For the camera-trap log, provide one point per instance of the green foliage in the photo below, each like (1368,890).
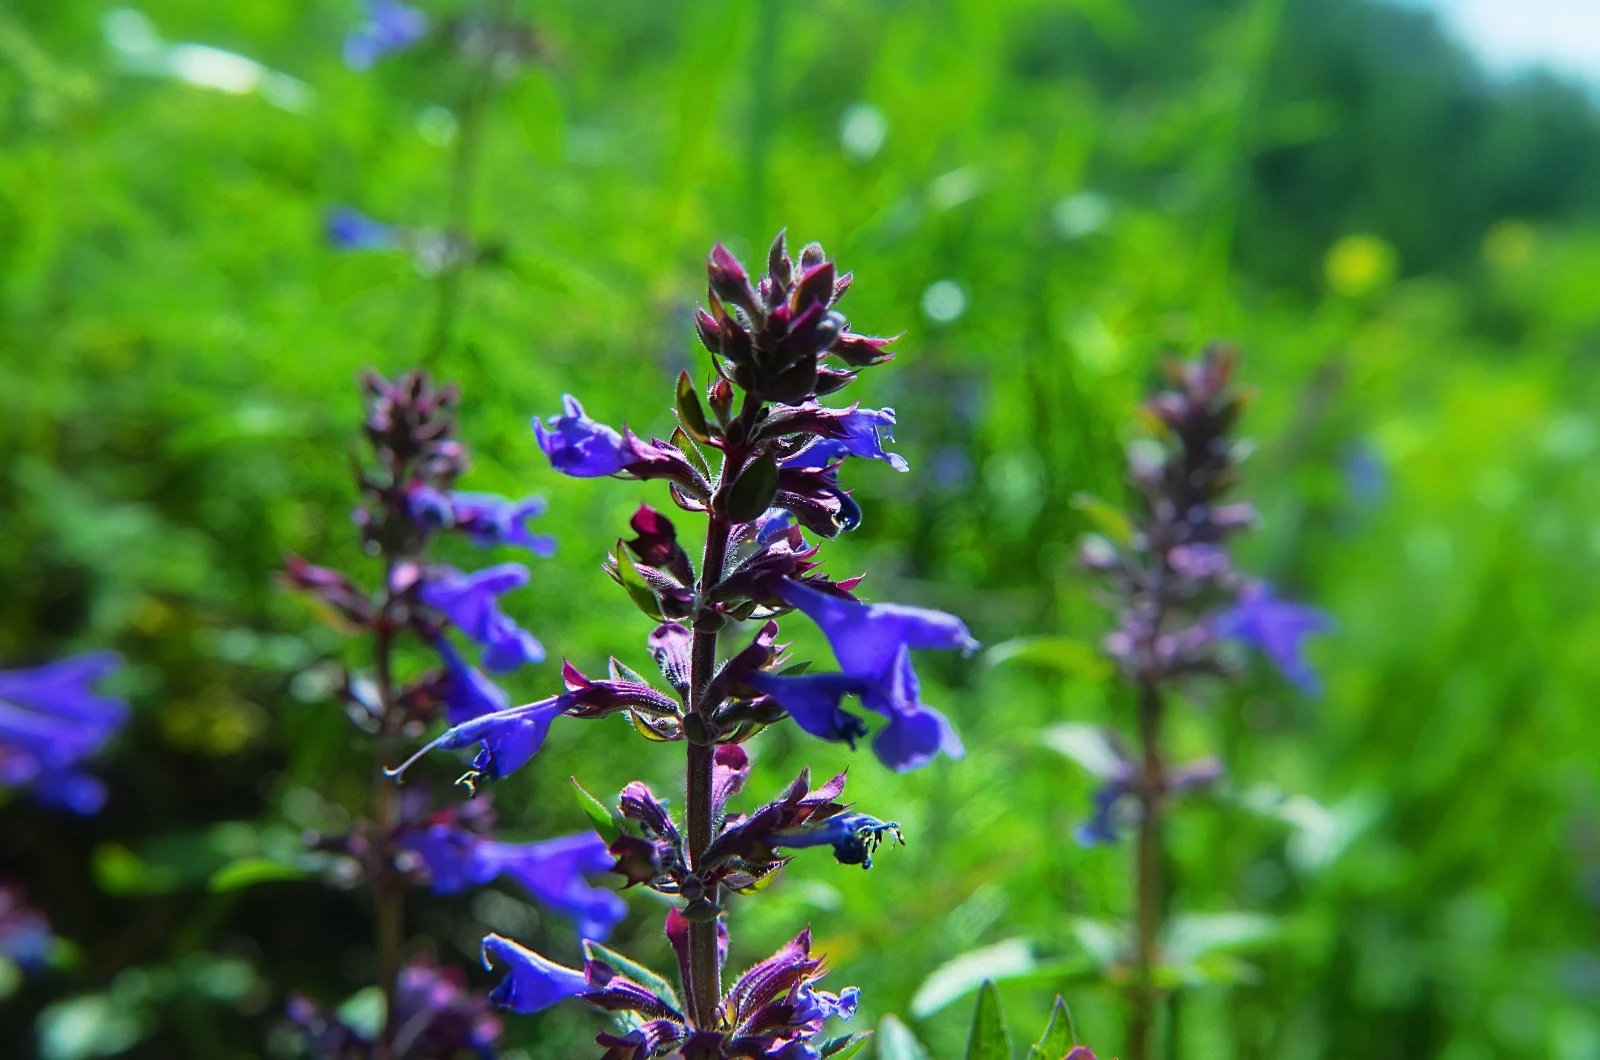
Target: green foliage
(1045,199)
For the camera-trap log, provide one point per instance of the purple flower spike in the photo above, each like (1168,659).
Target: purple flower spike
(866,637)
(50,720)
(350,229)
(390,26)
(580,447)
(532,983)
(1277,629)
(468,693)
(470,602)
(509,738)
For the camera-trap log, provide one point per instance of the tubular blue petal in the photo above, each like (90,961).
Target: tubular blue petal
(1277,629)
(813,700)
(580,447)
(532,983)
(553,872)
(866,637)
(471,602)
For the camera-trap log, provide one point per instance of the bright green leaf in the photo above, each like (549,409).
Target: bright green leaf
(989,1040)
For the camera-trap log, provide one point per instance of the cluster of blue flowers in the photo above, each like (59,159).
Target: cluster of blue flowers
(51,720)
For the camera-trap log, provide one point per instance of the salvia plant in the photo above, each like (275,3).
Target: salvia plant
(409,500)
(757,460)
(1177,598)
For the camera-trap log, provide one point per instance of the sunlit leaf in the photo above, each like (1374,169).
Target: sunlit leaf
(964,974)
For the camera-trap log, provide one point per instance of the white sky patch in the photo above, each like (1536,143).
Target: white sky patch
(1509,35)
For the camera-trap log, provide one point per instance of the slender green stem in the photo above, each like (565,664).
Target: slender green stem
(1147,869)
(388,888)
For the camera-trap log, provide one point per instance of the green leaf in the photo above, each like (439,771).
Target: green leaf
(536,105)
(687,447)
(1059,1034)
(1072,657)
(752,493)
(847,1046)
(1087,745)
(990,1040)
(964,974)
(606,821)
(1192,936)
(690,414)
(633,970)
(639,591)
(896,1042)
(249,872)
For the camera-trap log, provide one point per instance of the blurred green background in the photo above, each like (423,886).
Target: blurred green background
(1045,196)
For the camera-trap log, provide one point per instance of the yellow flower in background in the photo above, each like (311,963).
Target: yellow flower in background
(1509,244)
(1360,264)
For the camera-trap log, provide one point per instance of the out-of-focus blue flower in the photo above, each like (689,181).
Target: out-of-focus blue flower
(551,871)
(490,519)
(349,229)
(1276,628)
(25,937)
(509,738)
(390,26)
(1366,476)
(1101,827)
(471,602)
(50,720)
(468,693)
(873,644)
(579,446)
(533,983)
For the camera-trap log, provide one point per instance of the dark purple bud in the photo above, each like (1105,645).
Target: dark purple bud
(330,587)
(657,544)
(596,699)
(705,325)
(861,351)
(816,285)
(729,281)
